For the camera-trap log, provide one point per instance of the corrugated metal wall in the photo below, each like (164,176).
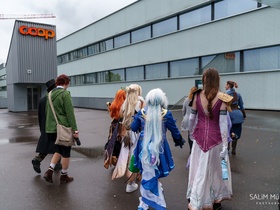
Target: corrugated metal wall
(33,53)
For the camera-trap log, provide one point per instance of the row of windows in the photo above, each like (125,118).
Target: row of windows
(242,61)
(213,11)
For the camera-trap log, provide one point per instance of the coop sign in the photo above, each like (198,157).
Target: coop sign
(32,31)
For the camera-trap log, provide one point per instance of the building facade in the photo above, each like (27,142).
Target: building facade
(168,43)
(31,62)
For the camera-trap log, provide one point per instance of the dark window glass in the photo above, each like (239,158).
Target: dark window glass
(106,45)
(141,34)
(122,40)
(135,73)
(262,59)
(157,71)
(229,7)
(73,80)
(165,27)
(73,55)
(93,49)
(181,68)
(117,75)
(195,17)
(64,58)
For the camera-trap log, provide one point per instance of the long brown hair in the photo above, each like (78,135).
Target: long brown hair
(211,85)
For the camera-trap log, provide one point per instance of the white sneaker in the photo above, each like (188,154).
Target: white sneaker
(131,187)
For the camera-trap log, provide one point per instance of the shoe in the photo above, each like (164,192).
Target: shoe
(64,178)
(57,167)
(131,187)
(217,206)
(142,205)
(48,175)
(36,165)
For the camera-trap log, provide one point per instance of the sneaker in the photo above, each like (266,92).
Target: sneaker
(36,165)
(142,205)
(131,187)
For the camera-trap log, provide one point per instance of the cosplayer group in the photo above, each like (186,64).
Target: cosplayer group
(138,149)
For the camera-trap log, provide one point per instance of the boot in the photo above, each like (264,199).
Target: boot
(234,143)
(64,178)
(48,175)
(36,165)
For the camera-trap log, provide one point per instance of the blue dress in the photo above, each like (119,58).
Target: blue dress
(151,189)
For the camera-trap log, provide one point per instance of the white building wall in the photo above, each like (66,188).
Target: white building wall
(245,31)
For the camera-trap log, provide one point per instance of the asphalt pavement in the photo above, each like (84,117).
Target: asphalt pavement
(255,168)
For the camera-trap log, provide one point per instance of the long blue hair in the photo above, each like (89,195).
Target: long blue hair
(155,101)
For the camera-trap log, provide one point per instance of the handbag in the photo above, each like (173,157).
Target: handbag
(64,134)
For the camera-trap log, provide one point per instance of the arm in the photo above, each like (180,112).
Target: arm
(136,123)
(172,127)
(223,122)
(241,105)
(69,110)
(192,119)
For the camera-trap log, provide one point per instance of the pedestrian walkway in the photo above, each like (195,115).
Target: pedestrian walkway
(255,168)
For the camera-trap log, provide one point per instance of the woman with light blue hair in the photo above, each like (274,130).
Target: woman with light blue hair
(152,154)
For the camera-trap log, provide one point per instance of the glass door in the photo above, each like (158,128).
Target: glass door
(33,96)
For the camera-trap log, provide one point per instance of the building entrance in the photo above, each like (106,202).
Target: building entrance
(33,96)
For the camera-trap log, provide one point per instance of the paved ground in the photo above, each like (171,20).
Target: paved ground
(255,168)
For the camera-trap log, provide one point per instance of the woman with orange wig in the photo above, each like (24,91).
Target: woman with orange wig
(113,146)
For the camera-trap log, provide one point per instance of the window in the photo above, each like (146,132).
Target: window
(157,71)
(165,27)
(80,53)
(141,34)
(195,17)
(116,75)
(181,68)
(224,63)
(122,40)
(106,45)
(135,73)
(80,79)
(103,77)
(93,49)
(229,7)
(262,59)
(91,78)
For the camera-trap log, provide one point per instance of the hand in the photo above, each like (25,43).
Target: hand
(180,143)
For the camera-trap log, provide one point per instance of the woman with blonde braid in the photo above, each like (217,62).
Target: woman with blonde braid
(132,104)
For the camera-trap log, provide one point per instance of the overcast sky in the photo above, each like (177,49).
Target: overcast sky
(71,15)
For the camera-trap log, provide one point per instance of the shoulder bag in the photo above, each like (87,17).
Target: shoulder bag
(64,134)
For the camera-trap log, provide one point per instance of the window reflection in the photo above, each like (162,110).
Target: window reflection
(229,7)
(224,63)
(157,71)
(93,49)
(106,45)
(122,40)
(141,34)
(135,73)
(262,59)
(181,68)
(195,17)
(116,75)
(164,27)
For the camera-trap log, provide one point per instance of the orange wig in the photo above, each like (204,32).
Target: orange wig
(115,107)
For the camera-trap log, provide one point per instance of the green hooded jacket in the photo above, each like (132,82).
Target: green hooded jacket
(62,103)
